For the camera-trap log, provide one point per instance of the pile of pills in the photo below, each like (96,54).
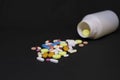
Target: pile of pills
(52,51)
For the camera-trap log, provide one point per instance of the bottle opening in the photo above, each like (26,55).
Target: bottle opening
(83,29)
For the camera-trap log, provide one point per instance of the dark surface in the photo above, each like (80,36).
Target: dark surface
(26,23)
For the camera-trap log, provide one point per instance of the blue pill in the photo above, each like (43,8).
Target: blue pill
(55,43)
(45,46)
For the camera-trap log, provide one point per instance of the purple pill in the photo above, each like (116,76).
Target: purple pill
(47,59)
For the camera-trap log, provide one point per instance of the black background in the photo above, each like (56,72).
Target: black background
(27,23)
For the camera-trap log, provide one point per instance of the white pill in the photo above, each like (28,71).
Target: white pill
(40,59)
(67,55)
(70,47)
(39,54)
(54,60)
(72,51)
(71,42)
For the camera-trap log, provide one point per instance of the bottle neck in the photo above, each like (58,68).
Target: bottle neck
(89,25)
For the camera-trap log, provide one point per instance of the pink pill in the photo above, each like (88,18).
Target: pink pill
(81,45)
(85,42)
(33,48)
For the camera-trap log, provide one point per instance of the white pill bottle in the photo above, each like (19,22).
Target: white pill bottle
(99,24)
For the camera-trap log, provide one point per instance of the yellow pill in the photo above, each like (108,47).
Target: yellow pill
(63,43)
(62,53)
(78,41)
(86,32)
(44,50)
(65,48)
(56,56)
(44,55)
(51,54)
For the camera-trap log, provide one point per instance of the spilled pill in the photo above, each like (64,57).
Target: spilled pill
(81,45)
(40,59)
(85,42)
(51,54)
(44,55)
(44,50)
(62,53)
(33,48)
(54,61)
(65,48)
(56,56)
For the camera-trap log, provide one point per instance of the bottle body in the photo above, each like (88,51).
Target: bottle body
(98,24)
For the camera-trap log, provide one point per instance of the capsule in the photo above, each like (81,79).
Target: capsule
(40,59)
(54,61)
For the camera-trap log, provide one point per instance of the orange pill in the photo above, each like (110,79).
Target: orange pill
(65,48)
(51,54)
(45,55)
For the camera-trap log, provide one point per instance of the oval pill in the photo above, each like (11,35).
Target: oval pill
(62,53)
(44,50)
(81,45)
(33,48)
(85,42)
(40,59)
(57,56)
(54,60)
(78,41)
